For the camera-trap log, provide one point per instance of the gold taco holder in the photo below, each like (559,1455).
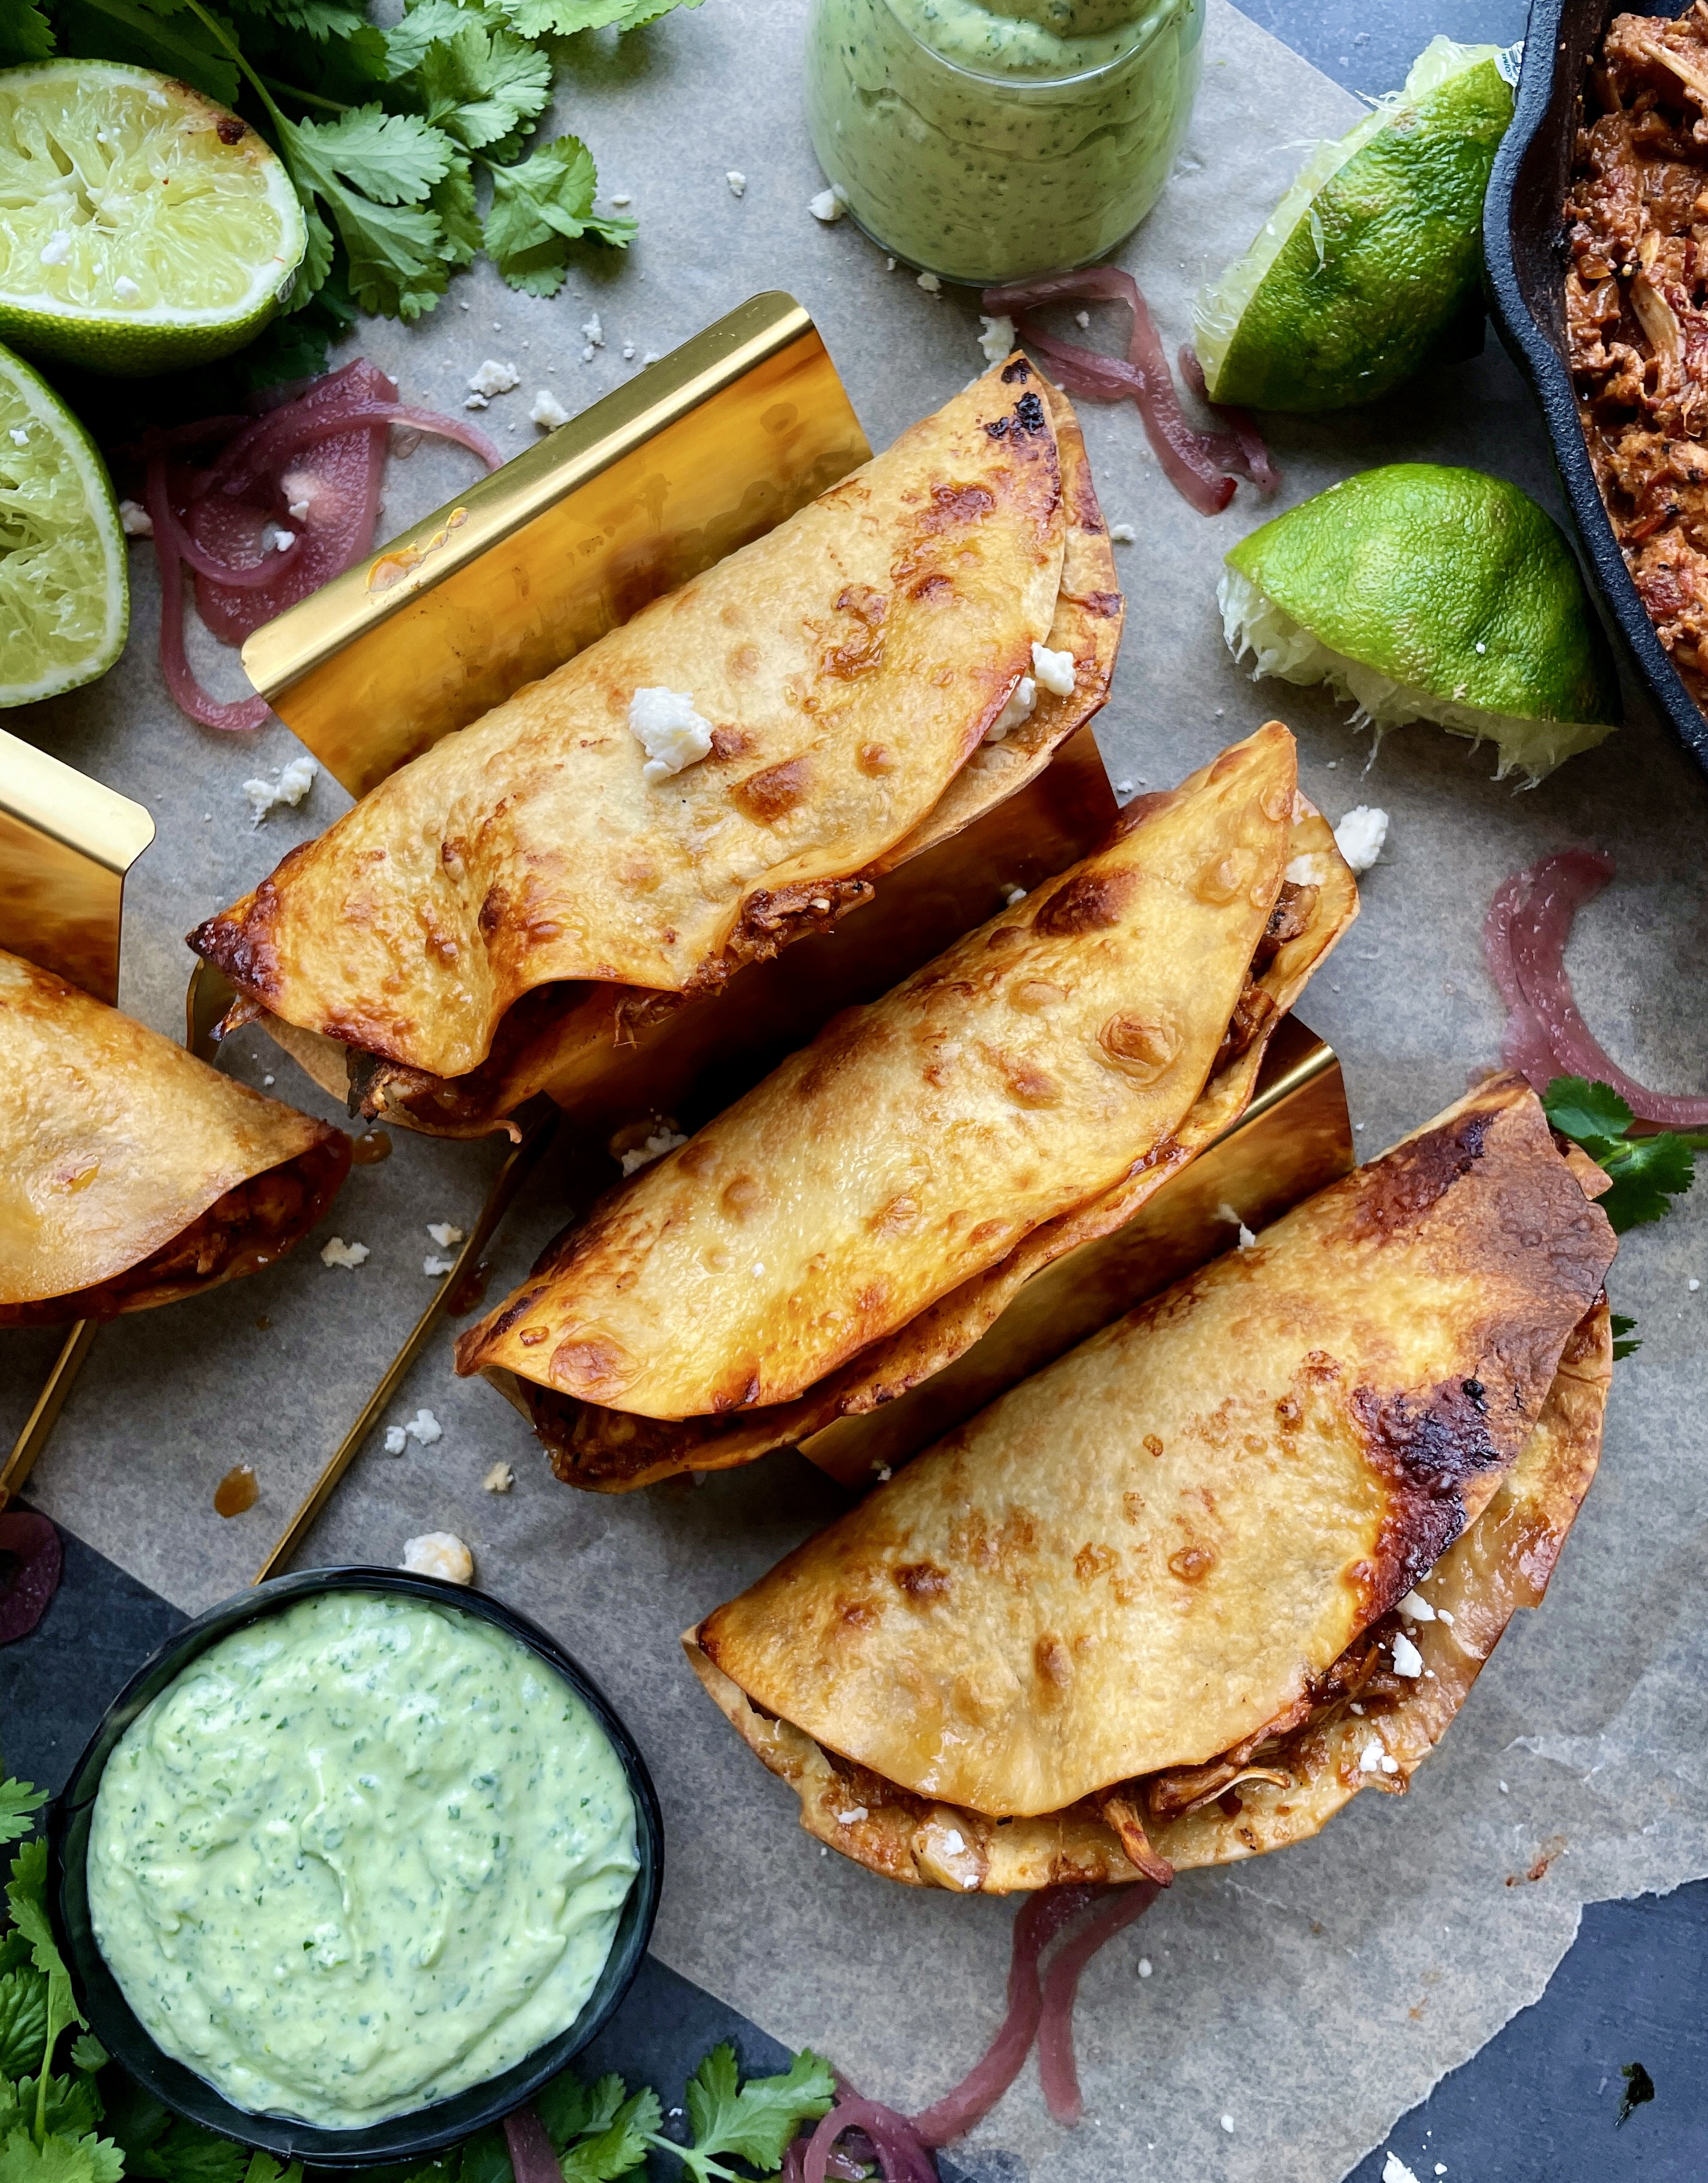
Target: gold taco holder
(66,845)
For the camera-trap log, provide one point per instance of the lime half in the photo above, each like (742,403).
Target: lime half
(1422,593)
(142,228)
(1373,255)
(64,600)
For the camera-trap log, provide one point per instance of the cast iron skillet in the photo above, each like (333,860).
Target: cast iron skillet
(408,2136)
(1524,250)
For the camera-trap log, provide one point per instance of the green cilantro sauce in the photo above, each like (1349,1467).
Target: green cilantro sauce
(991,140)
(358,1856)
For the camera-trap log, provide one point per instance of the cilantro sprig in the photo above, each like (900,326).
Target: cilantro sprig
(1648,1172)
(391,135)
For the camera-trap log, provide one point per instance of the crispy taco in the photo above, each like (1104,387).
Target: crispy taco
(133,1173)
(860,1218)
(866,679)
(1177,1598)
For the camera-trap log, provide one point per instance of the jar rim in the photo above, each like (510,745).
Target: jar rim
(1154,18)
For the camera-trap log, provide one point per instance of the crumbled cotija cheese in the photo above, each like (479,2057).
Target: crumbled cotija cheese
(548,412)
(1361,834)
(495,378)
(294,782)
(930,283)
(1054,670)
(433,1268)
(439,1554)
(1407,1659)
(443,1234)
(829,205)
(737,181)
(336,1252)
(996,337)
(666,727)
(498,1480)
(424,1427)
(1123,534)
(1394,2170)
(1022,701)
(134,520)
(660,1142)
(1416,1609)
(851,1817)
(397,1440)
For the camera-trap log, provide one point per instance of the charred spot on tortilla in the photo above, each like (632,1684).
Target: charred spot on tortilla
(773,793)
(1016,371)
(1411,1179)
(1088,903)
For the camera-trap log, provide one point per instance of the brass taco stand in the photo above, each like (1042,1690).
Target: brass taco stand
(66,845)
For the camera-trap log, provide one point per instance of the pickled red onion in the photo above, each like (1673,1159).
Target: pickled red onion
(1201,466)
(41,1560)
(1524,939)
(1037,1923)
(290,500)
(1057,2071)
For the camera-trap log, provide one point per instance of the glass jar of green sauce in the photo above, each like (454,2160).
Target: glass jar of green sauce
(991,140)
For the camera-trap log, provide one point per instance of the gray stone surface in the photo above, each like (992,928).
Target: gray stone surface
(1314,1997)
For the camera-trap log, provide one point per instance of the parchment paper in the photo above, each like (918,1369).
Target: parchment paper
(1310,1998)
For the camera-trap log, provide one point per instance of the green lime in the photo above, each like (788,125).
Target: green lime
(144,228)
(1373,257)
(65,599)
(1422,593)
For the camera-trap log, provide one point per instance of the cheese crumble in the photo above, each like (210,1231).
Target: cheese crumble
(666,727)
(829,205)
(996,337)
(495,378)
(336,1252)
(439,1554)
(1054,670)
(1361,834)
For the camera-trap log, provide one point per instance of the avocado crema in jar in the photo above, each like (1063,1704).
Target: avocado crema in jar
(359,1856)
(991,140)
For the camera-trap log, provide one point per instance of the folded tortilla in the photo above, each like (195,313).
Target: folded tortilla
(1120,1622)
(131,1173)
(851,666)
(860,1218)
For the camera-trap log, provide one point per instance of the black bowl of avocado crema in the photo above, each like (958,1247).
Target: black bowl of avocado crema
(422,2131)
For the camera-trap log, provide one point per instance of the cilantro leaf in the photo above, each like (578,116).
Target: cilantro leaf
(186,2153)
(20,1801)
(562,19)
(25,33)
(757,2121)
(26,1895)
(453,200)
(1622,1329)
(1647,1172)
(265,2168)
(483,86)
(621,2145)
(408,40)
(126,31)
(88,2053)
(59,2159)
(1582,1110)
(395,159)
(23,2022)
(319,19)
(539,207)
(69,2107)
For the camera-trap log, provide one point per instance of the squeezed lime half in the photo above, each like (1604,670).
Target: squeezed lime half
(65,599)
(142,228)
(1419,593)
(1374,257)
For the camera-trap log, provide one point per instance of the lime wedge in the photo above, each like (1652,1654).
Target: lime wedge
(64,600)
(1373,255)
(142,228)
(1421,593)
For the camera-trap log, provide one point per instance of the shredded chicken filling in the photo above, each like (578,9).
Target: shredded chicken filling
(1636,303)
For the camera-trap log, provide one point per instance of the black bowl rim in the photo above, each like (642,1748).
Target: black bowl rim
(425,2130)
(1531,347)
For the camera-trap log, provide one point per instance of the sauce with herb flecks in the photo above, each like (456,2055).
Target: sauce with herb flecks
(358,1856)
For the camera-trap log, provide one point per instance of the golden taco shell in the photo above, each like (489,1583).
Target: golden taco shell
(1130,1580)
(860,1218)
(848,665)
(131,1173)
(557,1036)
